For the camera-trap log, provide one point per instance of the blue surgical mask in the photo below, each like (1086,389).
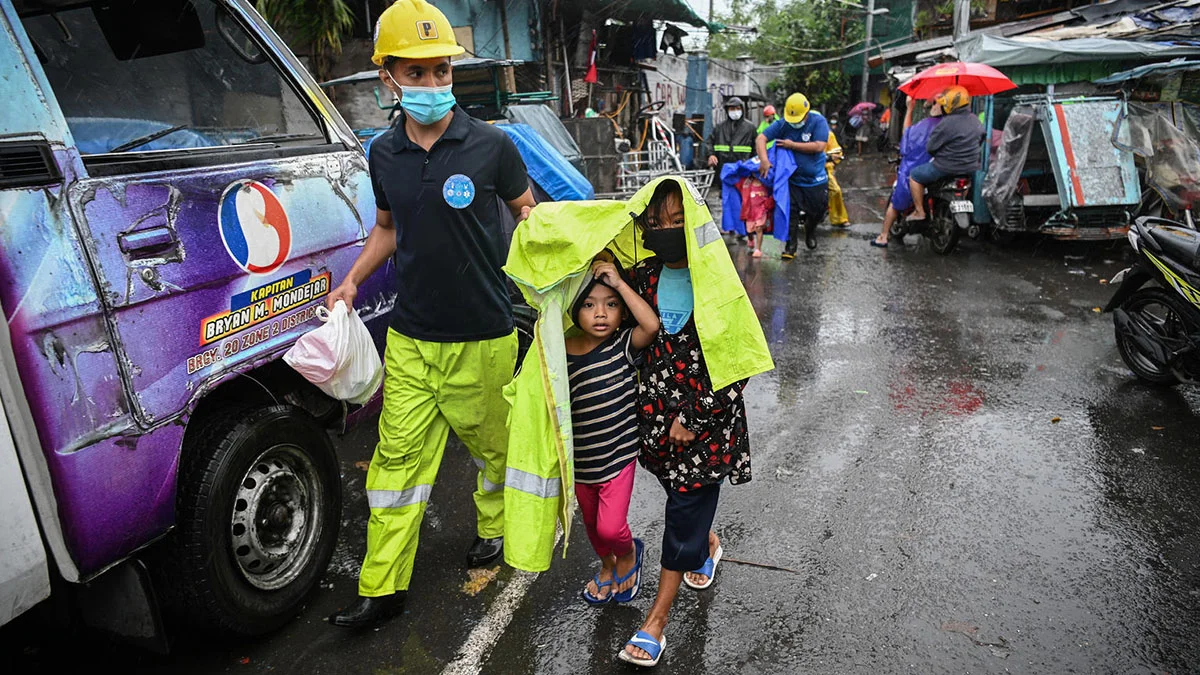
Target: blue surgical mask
(427,105)
(796,125)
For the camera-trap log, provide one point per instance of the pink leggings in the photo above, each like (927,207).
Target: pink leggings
(605,509)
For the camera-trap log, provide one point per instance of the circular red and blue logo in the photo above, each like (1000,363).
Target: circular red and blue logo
(254,227)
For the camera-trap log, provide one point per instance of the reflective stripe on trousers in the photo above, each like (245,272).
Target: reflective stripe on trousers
(395,499)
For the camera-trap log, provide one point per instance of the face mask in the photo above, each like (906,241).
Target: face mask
(796,125)
(735,115)
(668,244)
(426,105)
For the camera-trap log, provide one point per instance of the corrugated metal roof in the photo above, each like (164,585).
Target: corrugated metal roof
(1137,20)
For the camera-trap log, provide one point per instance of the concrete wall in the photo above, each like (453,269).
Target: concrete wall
(725,78)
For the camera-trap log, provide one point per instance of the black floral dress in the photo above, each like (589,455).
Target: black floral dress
(674,384)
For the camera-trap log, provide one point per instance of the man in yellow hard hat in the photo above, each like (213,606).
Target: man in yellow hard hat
(436,174)
(805,133)
(956,145)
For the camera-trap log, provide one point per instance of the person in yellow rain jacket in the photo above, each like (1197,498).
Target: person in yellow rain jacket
(451,347)
(837,205)
(550,259)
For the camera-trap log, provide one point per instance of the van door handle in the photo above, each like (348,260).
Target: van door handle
(147,242)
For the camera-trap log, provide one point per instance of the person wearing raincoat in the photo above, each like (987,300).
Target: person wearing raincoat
(912,153)
(837,204)
(550,260)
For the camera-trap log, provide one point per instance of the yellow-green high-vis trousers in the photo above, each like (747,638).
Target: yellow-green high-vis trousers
(430,388)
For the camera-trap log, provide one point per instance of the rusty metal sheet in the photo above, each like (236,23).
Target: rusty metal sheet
(1090,169)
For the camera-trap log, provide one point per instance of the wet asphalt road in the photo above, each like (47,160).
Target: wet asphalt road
(953,473)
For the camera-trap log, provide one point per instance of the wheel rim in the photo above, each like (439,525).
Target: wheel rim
(1164,322)
(276,517)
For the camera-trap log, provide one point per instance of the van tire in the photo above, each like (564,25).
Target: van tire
(258,507)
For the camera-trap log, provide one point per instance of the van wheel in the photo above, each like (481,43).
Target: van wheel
(258,509)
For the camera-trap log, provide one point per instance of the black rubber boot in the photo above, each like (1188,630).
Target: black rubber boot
(369,612)
(484,551)
(810,235)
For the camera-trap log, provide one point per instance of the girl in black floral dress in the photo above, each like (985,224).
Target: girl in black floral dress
(693,438)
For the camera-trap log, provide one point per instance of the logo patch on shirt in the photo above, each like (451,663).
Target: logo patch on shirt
(458,191)
(805,137)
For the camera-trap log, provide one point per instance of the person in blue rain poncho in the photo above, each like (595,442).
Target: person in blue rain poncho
(912,153)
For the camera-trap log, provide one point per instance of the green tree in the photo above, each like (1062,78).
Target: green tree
(313,27)
(810,35)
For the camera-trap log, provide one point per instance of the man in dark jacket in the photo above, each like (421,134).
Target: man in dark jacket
(955,145)
(733,139)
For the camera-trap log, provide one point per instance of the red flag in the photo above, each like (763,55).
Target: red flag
(592,76)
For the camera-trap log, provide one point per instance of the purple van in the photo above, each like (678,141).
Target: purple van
(177,196)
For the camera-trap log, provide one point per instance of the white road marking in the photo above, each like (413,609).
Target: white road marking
(485,635)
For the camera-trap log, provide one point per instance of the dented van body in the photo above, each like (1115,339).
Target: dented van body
(162,245)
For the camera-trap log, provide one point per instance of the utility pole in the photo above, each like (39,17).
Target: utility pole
(962,18)
(866,71)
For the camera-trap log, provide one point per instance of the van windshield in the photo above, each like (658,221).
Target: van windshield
(164,75)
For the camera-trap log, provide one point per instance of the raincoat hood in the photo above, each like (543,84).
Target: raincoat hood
(550,260)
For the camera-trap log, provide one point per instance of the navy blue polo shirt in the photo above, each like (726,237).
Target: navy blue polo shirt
(450,242)
(810,166)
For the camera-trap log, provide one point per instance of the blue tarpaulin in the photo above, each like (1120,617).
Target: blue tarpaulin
(783,165)
(547,167)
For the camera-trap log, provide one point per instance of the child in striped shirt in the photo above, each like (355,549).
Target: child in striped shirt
(601,362)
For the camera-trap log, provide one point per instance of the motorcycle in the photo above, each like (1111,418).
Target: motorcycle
(948,209)
(1158,327)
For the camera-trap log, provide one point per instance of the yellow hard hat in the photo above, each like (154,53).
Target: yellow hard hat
(952,98)
(796,108)
(414,29)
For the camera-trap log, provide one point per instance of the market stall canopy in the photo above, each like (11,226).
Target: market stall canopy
(1001,51)
(1149,70)
(677,11)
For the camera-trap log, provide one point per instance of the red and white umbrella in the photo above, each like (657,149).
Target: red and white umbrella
(977,78)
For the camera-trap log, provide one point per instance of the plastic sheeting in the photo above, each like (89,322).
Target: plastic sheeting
(783,165)
(999,51)
(547,167)
(1004,169)
(1172,157)
(542,118)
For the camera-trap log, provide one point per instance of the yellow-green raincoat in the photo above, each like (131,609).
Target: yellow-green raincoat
(550,260)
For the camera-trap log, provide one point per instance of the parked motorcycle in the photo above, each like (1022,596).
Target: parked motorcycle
(1158,327)
(948,210)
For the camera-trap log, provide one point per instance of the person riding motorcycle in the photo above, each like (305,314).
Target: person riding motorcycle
(955,145)
(733,139)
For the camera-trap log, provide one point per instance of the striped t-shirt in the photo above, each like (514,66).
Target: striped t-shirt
(604,409)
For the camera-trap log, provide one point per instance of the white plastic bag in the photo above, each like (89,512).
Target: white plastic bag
(338,356)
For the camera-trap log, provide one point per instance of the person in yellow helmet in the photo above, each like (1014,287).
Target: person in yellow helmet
(956,145)
(805,133)
(451,348)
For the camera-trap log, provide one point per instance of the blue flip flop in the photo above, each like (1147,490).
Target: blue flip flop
(596,600)
(708,569)
(630,593)
(645,642)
